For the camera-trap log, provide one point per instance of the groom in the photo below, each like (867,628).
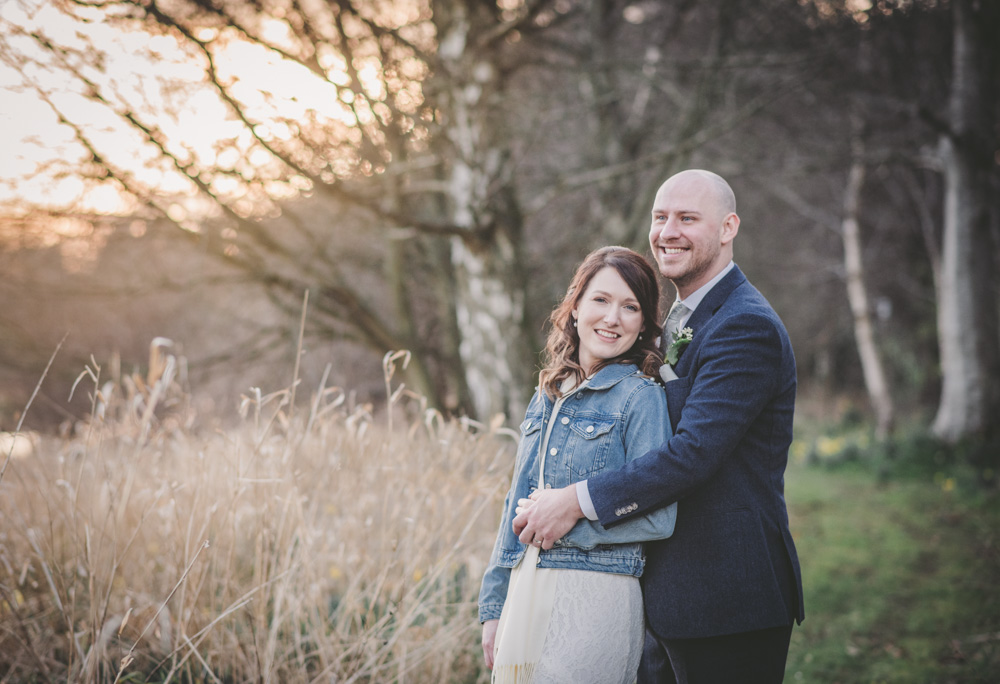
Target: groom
(722,593)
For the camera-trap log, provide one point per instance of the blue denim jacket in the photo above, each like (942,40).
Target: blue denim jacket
(615,417)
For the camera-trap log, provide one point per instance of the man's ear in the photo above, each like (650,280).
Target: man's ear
(730,227)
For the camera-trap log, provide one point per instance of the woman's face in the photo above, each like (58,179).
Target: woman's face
(608,318)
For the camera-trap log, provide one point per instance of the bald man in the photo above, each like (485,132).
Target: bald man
(723,592)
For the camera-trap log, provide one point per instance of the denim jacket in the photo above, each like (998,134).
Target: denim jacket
(612,418)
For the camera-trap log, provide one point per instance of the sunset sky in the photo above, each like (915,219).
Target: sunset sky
(151,76)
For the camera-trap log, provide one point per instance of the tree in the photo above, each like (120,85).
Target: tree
(857,294)
(967,311)
(415,145)
(432,170)
(423,162)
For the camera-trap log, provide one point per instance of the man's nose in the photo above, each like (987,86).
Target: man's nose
(666,230)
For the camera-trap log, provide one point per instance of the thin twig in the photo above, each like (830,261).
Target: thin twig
(127,660)
(20,422)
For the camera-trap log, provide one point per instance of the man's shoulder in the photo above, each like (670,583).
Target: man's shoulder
(743,310)
(746,298)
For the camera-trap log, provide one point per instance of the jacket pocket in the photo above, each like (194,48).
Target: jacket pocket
(591,442)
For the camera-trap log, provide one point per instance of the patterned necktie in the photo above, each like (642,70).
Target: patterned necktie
(677,313)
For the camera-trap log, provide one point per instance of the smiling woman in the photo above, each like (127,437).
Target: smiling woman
(572,611)
(608,319)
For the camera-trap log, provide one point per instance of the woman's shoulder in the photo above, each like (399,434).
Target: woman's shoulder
(631,381)
(637,378)
(639,385)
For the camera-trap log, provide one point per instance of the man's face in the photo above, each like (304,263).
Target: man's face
(690,234)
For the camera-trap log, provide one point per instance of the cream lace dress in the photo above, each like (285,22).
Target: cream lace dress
(572,626)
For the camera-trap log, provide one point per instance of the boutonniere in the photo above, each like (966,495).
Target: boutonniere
(682,338)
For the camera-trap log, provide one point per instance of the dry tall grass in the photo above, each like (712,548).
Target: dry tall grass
(315,544)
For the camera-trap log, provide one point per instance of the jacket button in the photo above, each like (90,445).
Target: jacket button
(553,451)
(590,428)
(565,420)
(548,486)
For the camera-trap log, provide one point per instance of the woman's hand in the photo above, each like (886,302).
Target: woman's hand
(489,638)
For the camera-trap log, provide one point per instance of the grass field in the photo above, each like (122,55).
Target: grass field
(902,578)
(331,545)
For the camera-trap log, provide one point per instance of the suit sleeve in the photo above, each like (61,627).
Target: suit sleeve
(646,426)
(734,375)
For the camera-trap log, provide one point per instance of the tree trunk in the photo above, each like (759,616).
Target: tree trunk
(857,295)
(967,315)
(489,297)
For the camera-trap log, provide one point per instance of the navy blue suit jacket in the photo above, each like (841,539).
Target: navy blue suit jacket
(731,564)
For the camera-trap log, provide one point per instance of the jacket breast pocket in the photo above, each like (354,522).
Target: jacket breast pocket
(591,442)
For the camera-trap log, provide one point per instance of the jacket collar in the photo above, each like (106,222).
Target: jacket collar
(611,375)
(715,298)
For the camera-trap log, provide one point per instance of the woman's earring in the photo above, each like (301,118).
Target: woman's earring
(574,322)
(640,337)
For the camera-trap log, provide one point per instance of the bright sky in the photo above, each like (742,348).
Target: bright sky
(32,142)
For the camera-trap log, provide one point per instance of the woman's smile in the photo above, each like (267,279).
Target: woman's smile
(608,319)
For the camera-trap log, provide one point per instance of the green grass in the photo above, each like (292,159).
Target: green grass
(902,578)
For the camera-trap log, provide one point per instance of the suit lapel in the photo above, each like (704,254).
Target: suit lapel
(715,298)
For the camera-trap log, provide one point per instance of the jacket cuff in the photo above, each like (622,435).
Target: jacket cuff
(490,611)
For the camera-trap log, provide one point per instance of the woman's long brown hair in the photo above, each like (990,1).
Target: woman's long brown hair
(562,351)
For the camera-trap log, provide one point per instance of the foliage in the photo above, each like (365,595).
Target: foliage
(319,544)
(911,453)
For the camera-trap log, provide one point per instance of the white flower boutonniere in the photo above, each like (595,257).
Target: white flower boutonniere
(681,339)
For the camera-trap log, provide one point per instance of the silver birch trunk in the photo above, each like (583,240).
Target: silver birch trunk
(489,297)
(967,319)
(857,296)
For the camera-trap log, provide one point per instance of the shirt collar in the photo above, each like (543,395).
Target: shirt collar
(694,299)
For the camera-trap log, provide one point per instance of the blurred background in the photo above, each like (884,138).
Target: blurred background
(430,172)
(215,211)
